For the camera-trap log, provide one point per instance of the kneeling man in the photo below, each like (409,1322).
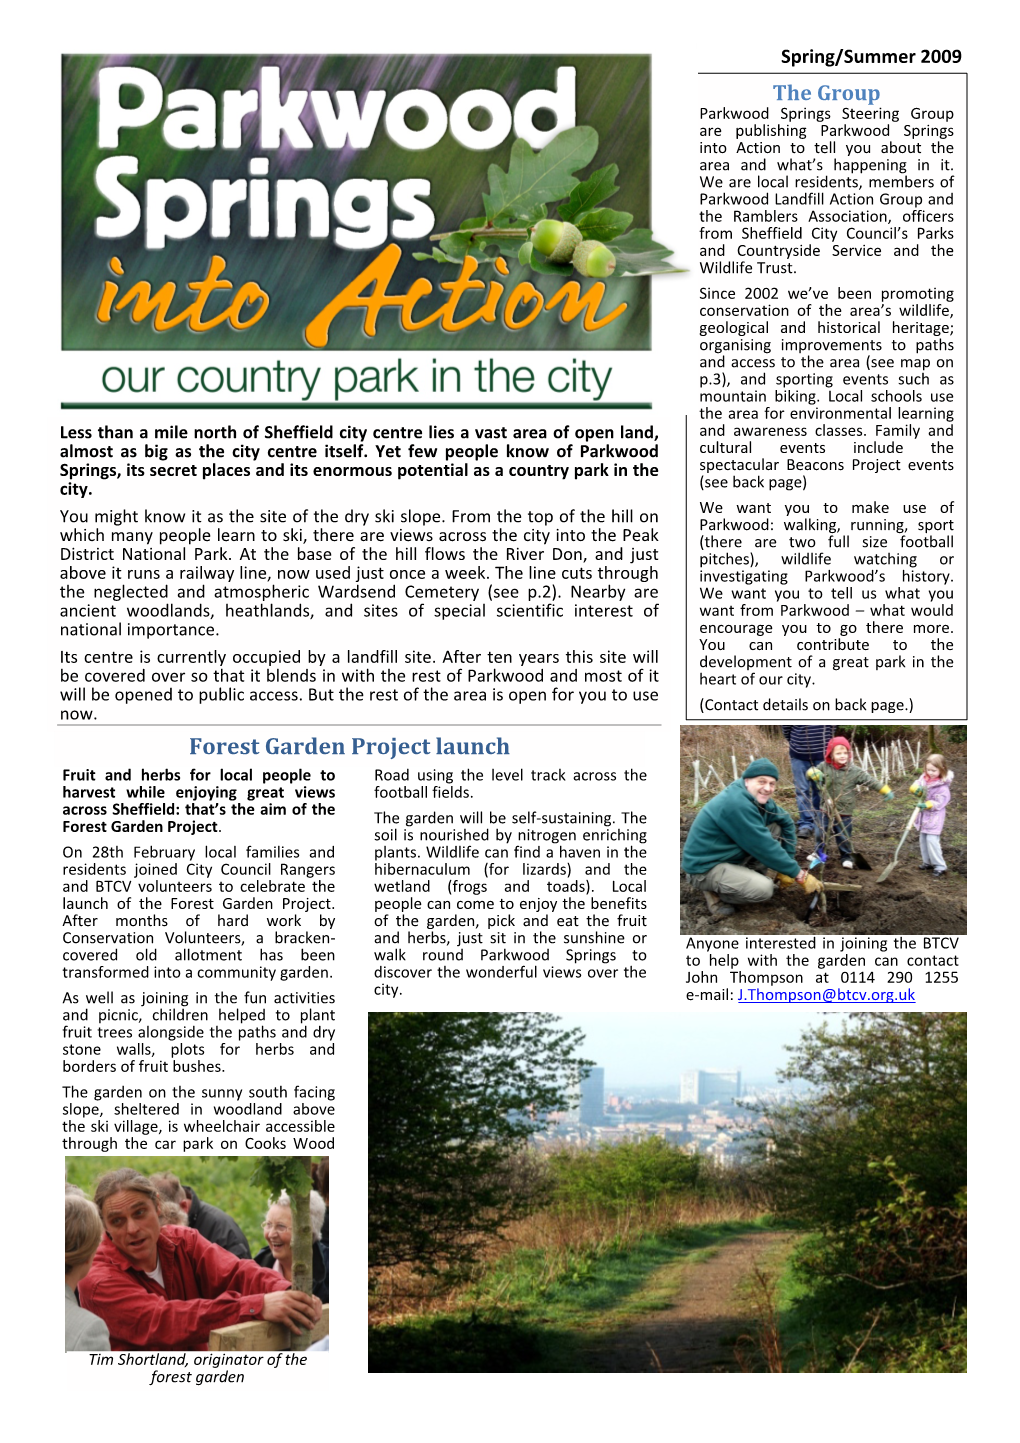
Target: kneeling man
(740,836)
(167,1287)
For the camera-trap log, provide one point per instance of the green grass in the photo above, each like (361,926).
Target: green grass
(534,1311)
(222,1181)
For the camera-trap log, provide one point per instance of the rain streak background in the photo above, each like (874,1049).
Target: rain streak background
(301,275)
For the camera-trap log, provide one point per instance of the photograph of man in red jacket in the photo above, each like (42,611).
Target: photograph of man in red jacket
(166,1287)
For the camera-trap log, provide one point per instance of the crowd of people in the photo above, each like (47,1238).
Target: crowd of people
(147,1265)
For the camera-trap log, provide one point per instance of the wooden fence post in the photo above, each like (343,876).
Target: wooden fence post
(263,1337)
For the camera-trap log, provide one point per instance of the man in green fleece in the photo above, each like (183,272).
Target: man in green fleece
(738,838)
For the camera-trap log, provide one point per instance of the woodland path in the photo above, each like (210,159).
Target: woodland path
(697,1331)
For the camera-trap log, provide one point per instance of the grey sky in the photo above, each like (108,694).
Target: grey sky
(654,1047)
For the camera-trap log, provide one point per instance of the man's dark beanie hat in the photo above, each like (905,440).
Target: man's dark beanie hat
(761,768)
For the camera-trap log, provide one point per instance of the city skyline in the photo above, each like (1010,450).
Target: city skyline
(654,1048)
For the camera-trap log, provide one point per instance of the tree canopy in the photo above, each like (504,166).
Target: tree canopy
(883,1084)
(452,1097)
(875,1156)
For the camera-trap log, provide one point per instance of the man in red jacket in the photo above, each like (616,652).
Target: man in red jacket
(167,1287)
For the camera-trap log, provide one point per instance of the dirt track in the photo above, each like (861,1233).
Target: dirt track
(696,1334)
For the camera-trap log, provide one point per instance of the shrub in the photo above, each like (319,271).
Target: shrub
(885,1085)
(623,1173)
(903,1248)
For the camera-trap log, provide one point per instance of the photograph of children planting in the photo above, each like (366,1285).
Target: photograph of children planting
(800,828)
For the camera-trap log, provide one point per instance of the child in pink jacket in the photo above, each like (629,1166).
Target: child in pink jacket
(932,789)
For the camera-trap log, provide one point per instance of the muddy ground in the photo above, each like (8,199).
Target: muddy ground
(909,902)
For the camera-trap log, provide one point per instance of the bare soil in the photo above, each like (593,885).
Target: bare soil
(909,902)
(697,1333)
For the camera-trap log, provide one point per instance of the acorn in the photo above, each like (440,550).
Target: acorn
(592,258)
(556,240)
(524,254)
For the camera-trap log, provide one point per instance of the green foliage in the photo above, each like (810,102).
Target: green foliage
(883,1085)
(545,267)
(536,176)
(518,197)
(599,186)
(452,1096)
(826,1330)
(906,1242)
(226,1182)
(637,254)
(875,1160)
(624,1173)
(605,225)
(919,1343)
(283,1174)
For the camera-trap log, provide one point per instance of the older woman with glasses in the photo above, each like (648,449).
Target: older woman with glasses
(278,1233)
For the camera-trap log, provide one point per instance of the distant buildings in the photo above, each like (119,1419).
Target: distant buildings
(592,1103)
(709,1118)
(712,1118)
(702,1088)
(587,1100)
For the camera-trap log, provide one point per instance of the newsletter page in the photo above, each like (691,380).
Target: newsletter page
(489,636)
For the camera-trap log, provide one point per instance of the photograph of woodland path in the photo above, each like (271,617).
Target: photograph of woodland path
(523,1217)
